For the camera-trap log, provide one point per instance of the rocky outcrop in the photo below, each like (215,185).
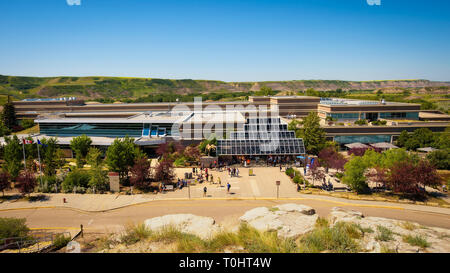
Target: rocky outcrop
(288,220)
(438,239)
(204,227)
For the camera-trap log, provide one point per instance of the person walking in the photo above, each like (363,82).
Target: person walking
(237,172)
(204,191)
(220,182)
(228,187)
(281,168)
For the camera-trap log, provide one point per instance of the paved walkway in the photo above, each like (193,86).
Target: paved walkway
(260,186)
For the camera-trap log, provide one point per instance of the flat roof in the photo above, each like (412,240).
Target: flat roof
(147,117)
(353,102)
(219,116)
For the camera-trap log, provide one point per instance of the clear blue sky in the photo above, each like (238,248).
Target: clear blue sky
(230,40)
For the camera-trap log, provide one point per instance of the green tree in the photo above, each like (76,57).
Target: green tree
(311,132)
(99,177)
(440,159)
(9,114)
(13,227)
(312,92)
(4,131)
(354,175)
(49,155)
(94,157)
(121,155)
(80,145)
(403,138)
(265,91)
(442,140)
(13,155)
(390,157)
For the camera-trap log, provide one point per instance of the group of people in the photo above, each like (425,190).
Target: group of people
(327,186)
(181,183)
(233,172)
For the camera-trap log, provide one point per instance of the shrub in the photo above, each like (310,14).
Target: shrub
(180,162)
(379,122)
(416,240)
(290,172)
(13,227)
(47,184)
(361,122)
(384,234)
(27,123)
(255,241)
(440,159)
(339,239)
(76,179)
(61,241)
(298,179)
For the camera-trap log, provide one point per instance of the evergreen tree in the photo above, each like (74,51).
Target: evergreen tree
(13,156)
(121,155)
(311,132)
(49,156)
(80,145)
(9,114)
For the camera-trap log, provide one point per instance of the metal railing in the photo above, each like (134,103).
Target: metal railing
(35,242)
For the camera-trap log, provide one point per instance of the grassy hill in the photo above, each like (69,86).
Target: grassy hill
(110,89)
(118,88)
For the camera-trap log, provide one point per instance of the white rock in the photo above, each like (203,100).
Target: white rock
(289,220)
(204,227)
(254,214)
(296,207)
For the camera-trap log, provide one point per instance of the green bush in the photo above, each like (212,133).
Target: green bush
(341,238)
(379,122)
(180,162)
(290,172)
(339,175)
(77,179)
(361,122)
(47,184)
(416,241)
(384,234)
(298,179)
(27,123)
(13,227)
(61,241)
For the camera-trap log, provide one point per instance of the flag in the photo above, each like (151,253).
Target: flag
(40,143)
(27,141)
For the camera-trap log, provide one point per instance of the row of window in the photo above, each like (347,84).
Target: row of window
(260,147)
(262,135)
(265,127)
(410,115)
(263,120)
(390,115)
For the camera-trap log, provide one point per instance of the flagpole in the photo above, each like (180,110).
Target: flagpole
(24,159)
(39,157)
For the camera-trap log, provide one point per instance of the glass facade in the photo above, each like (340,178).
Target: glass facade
(408,115)
(362,139)
(105,129)
(388,115)
(344,115)
(262,137)
(92,129)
